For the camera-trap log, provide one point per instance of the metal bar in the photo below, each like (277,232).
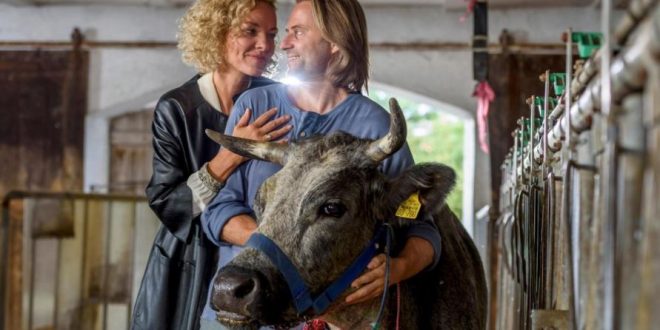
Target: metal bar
(550,219)
(31,275)
(609,312)
(85,234)
(86,44)
(106,263)
(132,263)
(4,262)
(57,281)
(531,140)
(546,95)
(568,98)
(18,194)
(494,48)
(566,219)
(609,230)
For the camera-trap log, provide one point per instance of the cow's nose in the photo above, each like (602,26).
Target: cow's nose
(236,290)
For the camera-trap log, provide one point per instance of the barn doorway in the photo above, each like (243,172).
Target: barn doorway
(438,132)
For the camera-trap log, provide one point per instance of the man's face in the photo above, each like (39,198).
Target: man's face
(308,54)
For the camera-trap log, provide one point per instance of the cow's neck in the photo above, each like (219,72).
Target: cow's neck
(358,316)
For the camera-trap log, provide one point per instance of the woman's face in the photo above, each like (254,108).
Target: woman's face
(250,47)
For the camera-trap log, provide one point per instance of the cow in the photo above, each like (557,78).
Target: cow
(320,213)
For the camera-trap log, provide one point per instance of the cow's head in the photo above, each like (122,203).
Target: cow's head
(321,209)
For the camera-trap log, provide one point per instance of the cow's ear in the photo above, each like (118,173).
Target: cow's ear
(433,181)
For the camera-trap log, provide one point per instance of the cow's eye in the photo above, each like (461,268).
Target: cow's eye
(332,209)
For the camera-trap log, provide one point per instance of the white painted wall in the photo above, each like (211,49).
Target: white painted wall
(124,80)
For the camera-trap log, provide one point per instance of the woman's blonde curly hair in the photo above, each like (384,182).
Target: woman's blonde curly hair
(204,29)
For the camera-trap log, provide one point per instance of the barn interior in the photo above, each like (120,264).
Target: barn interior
(552,106)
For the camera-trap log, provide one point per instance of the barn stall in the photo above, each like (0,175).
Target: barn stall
(577,235)
(572,237)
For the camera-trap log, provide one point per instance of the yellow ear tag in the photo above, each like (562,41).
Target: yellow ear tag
(410,207)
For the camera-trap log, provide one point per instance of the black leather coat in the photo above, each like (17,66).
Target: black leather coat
(182,260)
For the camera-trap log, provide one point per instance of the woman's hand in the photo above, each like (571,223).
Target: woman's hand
(371,283)
(264,128)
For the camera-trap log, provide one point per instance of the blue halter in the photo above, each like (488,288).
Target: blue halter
(300,292)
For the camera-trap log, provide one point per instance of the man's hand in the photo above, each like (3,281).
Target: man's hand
(371,284)
(416,255)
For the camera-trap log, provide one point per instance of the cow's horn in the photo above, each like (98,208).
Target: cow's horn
(269,151)
(395,138)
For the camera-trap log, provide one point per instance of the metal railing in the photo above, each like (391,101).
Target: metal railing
(72,261)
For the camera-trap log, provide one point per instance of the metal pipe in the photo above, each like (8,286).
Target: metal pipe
(628,73)
(531,140)
(494,48)
(583,76)
(636,12)
(546,93)
(18,194)
(86,44)
(609,304)
(568,98)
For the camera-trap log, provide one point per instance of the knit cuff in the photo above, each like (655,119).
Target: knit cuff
(204,187)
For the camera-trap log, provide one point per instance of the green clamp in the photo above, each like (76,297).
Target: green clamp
(587,42)
(558,81)
(523,136)
(538,101)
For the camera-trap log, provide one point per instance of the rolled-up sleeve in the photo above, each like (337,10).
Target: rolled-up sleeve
(424,228)
(229,203)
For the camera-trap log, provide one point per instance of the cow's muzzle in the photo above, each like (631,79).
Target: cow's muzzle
(239,295)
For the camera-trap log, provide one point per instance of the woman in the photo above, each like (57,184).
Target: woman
(231,43)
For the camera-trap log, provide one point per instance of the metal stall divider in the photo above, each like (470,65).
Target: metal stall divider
(602,144)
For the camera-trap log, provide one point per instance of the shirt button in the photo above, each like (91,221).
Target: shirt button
(302,134)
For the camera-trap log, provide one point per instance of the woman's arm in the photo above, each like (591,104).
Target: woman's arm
(213,175)
(178,196)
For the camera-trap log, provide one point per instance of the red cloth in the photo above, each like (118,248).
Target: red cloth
(316,325)
(485,95)
(469,10)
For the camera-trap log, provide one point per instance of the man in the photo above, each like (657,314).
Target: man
(327,51)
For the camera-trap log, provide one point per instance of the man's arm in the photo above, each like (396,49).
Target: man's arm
(238,229)
(421,250)
(227,219)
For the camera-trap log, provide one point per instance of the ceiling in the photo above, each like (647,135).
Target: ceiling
(448,4)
